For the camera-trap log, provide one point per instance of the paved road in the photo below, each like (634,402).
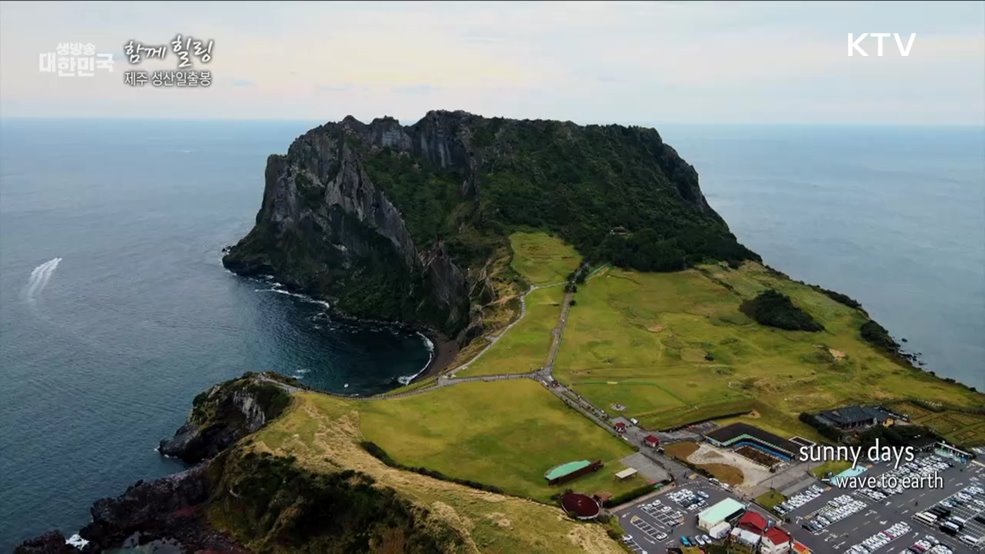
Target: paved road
(634,435)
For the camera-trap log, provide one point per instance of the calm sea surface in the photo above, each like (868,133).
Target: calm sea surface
(115,310)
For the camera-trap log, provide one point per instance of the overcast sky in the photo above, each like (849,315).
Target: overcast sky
(628,63)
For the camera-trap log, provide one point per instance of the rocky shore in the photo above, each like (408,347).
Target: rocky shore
(171,510)
(237,499)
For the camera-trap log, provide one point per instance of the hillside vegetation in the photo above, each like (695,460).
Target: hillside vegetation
(403,222)
(617,194)
(324,435)
(777,310)
(677,347)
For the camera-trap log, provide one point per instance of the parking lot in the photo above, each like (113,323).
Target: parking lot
(960,515)
(861,521)
(658,522)
(837,519)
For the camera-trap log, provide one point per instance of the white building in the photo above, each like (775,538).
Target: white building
(722,511)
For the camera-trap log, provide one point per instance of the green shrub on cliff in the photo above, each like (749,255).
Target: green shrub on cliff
(270,504)
(775,309)
(878,336)
(578,182)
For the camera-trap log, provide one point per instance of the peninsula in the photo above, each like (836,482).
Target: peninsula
(600,315)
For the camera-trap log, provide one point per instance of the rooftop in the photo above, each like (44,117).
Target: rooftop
(579,504)
(565,468)
(721,510)
(777,536)
(736,431)
(753,520)
(849,415)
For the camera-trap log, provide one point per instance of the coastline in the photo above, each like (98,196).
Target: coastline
(445,351)
(443,348)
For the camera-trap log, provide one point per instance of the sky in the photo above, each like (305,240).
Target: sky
(671,62)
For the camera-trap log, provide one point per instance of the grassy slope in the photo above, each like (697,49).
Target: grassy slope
(641,340)
(637,339)
(505,433)
(323,433)
(524,347)
(541,260)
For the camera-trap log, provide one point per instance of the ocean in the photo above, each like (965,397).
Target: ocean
(891,216)
(115,310)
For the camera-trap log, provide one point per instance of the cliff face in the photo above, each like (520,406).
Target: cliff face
(226,413)
(396,222)
(238,500)
(325,228)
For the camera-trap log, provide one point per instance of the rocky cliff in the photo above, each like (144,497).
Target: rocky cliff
(227,412)
(238,500)
(397,222)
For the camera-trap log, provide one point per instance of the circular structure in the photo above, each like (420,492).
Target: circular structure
(580,505)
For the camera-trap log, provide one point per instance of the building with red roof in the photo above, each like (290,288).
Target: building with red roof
(651,440)
(775,541)
(580,505)
(753,521)
(799,548)
(620,427)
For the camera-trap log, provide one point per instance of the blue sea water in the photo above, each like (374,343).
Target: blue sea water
(892,216)
(102,350)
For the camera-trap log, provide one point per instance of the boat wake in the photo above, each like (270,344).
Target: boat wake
(39,279)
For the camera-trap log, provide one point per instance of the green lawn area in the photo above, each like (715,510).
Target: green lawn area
(504,433)
(770,498)
(542,258)
(524,346)
(674,348)
(834,466)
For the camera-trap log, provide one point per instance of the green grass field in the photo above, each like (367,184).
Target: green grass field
(504,433)
(541,258)
(323,434)
(524,346)
(833,466)
(770,498)
(674,348)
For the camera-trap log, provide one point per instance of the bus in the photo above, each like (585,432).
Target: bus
(924,517)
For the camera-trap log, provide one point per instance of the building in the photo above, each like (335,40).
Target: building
(625,474)
(752,521)
(946,450)
(775,541)
(745,537)
(720,531)
(799,548)
(570,470)
(852,418)
(580,506)
(742,434)
(620,427)
(726,510)
(652,441)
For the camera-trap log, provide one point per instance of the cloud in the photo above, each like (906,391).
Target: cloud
(599,62)
(414,89)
